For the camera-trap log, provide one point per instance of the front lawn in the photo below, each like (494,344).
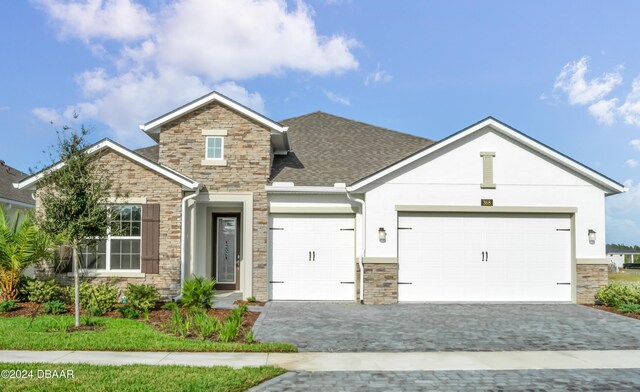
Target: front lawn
(135,377)
(27,333)
(625,276)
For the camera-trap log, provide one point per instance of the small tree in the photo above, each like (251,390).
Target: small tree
(73,196)
(21,245)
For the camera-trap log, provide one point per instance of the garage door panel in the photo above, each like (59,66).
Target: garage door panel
(486,257)
(319,257)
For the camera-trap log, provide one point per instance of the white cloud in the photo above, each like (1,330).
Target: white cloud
(572,81)
(632,163)
(338,98)
(630,110)
(48,115)
(103,19)
(184,49)
(604,110)
(377,77)
(635,143)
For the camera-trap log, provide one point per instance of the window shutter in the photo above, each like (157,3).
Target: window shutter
(65,255)
(150,257)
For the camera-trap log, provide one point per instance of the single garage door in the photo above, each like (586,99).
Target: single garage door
(482,257)
(312,257)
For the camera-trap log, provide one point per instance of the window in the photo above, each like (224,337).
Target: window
(121,249)
(214,147)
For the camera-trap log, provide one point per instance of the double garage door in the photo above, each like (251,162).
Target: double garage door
(312,257)
(482,257)
(441,257)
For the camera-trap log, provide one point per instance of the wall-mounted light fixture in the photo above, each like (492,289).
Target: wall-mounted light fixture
(382,234)
(592,236)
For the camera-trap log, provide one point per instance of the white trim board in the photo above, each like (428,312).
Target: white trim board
(171,174)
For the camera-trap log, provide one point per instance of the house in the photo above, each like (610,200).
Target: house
(13,201)
(619,256)
(320,207)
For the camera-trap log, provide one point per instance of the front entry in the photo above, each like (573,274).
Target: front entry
(226,251)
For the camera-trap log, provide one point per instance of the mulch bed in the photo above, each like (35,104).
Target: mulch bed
(616,311)
(157,317)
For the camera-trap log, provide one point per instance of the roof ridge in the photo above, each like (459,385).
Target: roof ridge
(360,122)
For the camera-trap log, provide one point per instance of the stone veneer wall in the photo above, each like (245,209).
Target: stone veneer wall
(380,283)
(137,181)
(588,279)
(247,149)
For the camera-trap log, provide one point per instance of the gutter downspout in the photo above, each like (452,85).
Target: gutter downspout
(364,239)
(183,241)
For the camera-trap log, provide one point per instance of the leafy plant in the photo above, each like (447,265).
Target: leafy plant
(248,336)
(616,294)
(129,312)
(54,307)
(251,299)
(41,291)
(142,297)
(66,294)
(8,305)
(98,299)
(91,321)
(231,326)
(21,245)
(629,308)
(204,325)
(58,324)
(197,292)
(171,306)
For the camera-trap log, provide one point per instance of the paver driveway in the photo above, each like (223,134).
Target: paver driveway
(445,327)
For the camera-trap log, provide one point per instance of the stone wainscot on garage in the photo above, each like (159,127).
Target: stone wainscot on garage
(320,207)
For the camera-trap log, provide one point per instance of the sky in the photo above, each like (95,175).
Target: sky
(566,73)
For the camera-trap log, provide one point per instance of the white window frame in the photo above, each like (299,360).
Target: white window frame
(206,148)
(108,239)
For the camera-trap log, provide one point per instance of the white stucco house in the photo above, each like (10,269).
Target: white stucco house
(320,207)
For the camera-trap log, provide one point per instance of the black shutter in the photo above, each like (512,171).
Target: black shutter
(65,255)
(150,257)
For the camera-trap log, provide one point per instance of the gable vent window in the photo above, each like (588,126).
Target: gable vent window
(487,170)
(215,147)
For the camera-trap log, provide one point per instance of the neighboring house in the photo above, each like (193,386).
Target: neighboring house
(13,200)
(620,256)
(318,206)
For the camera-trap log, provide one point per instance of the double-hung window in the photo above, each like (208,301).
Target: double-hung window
(120,250)
(214,148)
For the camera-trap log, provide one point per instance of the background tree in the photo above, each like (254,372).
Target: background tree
(73,197)
(21,245)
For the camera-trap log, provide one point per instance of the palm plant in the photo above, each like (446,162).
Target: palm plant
(21,245)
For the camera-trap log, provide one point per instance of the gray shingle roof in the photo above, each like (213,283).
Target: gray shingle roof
(8,176)
(328,149)
(151,153)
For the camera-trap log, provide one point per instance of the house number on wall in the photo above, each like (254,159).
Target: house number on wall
(486,202)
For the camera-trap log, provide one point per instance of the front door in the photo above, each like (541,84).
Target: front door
(226,251)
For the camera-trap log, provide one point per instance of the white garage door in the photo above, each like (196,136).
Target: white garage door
(312,257)
(481,257)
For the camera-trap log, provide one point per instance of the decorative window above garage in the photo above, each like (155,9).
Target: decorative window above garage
(214,147)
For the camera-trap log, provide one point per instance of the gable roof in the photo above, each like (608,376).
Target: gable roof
(8,194)
(152,153)
(162,170)
(611,186)
(278,131)
(327,149)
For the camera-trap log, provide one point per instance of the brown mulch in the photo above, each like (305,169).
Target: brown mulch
(254,303)
(616,311)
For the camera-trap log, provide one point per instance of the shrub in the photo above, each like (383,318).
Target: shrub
(8,305)
(129,312)
(98,299)
(629,308)
(54,307)
(41,291)
(171,306)
(197,292)
(251,299)
(231,326)
(616,294)
(142,297)
(67,294)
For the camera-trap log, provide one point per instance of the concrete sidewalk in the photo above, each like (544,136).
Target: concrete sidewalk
(314,362)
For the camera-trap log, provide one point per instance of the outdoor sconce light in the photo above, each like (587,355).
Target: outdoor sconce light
(382,235)
(592,236)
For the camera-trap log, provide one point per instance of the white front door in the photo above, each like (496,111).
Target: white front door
(483,257)
(312,257)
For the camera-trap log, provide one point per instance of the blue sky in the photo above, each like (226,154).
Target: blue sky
(562,72)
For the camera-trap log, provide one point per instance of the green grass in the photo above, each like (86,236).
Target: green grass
(138,378)
(624,276)
(18,333)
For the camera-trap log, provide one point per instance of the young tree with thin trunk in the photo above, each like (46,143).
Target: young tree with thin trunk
(73,197)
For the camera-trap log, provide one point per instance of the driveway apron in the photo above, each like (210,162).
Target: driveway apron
(346,327)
